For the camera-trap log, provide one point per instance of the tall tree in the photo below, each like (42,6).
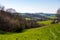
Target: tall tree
(11,10)
(2,8)
(58,15)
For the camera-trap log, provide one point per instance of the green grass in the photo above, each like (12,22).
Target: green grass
(27,18)
(48,22)
(50,32)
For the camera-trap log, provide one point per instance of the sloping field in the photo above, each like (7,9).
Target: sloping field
(50,32)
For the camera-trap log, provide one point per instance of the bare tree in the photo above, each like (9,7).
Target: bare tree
(58,15)
(11,10)
(57,20)
(2,8)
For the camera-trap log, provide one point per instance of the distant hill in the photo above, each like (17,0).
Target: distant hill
(37,16)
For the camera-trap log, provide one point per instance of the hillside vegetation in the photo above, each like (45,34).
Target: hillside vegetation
(50,32)
(15,23)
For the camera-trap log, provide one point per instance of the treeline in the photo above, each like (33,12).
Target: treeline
(14,23)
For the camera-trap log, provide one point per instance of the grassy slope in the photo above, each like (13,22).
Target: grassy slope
(48,22)
(51,16)
(50,32)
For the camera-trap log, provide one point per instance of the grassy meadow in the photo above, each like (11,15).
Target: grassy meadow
(29,20)
(48,32)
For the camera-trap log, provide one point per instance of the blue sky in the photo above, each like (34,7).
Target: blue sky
(32,6)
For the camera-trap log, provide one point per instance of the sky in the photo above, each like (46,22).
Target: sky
(32,6)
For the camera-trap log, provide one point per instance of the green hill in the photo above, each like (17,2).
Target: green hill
(50,32)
